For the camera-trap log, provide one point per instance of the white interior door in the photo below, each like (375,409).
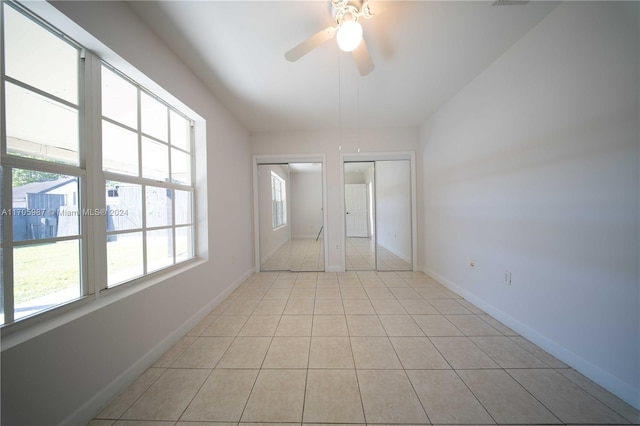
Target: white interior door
(356,210)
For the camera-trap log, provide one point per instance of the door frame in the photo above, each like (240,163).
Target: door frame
(381,156)
(282,159)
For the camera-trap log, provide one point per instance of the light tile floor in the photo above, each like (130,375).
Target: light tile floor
(361,256)
(297,255)
(357,348)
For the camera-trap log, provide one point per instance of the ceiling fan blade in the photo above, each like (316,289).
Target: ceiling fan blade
(309,44)
(363,59)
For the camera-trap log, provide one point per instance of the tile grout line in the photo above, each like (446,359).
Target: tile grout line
(533,396)
(594,396)
(499,368)
(405,370)
(474,395)
(447,361)
(139,396)
(306,378)
(157,378)
(260,368)
(210,372)
(353,358)
(456,370)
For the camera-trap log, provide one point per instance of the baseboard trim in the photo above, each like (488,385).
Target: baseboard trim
(85,413)
(396,253)
(611,383)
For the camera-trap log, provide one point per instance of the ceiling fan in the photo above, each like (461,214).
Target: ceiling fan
(348,33)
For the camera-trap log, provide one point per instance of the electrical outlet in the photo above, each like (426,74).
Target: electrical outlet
(507,278)
(472,263)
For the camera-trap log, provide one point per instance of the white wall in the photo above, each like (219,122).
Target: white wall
(65,374)
(533,168)
(271,240)
(327,142)
(306,204)
(393,207)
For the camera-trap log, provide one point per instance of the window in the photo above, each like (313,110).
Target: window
(147,162)
(278,201)
(42,234)
(47,161)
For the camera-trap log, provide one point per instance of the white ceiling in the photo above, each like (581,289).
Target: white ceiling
(305,167)
(424,52)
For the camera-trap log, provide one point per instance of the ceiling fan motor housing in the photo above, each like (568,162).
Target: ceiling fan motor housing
(348,10)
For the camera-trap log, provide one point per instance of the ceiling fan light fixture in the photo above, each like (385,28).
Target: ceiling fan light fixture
(349,35)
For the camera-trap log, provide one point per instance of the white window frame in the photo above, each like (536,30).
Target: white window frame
(10,162)
(91,189)
(278,201)
(146,182)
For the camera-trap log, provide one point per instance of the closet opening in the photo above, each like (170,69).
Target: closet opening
(378,200)
(290,216)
